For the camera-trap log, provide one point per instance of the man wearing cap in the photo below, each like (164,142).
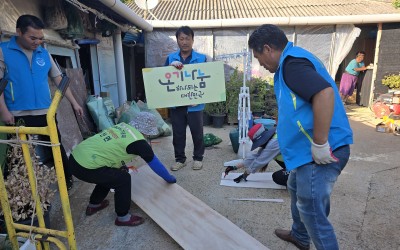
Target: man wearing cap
(101,159)
(314,134)
(266,143)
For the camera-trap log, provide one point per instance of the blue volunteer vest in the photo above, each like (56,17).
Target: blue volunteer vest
(28,87)
(196,58)
(295,126)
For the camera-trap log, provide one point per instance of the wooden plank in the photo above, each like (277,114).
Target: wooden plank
(188,220)
(67,124)
(78,89)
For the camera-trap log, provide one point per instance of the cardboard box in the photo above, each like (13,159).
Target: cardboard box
(384,128)
(163,112)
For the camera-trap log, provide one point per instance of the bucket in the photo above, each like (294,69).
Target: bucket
(396,109)
(218,121)
(234,137)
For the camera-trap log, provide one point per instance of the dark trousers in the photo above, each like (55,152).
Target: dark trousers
(180,119)
(40,121)
(106,178)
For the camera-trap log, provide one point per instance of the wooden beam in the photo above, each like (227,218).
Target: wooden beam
(188,220)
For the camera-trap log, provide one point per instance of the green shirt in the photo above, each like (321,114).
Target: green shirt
(107,148)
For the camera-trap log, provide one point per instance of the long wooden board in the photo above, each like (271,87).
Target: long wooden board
(188,220)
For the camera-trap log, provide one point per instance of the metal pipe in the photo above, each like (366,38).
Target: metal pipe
(119,65)
(248,22)
(127,13)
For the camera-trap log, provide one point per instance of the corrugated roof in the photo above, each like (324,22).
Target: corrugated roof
(175,10)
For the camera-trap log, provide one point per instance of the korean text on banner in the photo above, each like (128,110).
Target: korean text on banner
(194,84)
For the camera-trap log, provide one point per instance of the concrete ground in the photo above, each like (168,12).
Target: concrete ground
(364,208)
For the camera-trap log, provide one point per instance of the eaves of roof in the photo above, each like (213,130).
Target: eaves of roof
(203,13)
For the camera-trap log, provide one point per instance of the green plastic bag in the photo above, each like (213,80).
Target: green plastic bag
(210,139)
(100,113)
(129,114)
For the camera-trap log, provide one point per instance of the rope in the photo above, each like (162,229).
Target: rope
(18,141)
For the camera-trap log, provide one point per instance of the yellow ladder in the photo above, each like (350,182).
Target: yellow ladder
(42,234)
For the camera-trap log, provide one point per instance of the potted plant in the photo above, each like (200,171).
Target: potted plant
(217,112)
(257,107)
(258,89)
(18,187)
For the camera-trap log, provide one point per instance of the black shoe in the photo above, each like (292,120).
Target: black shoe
(287,236)
(70,184)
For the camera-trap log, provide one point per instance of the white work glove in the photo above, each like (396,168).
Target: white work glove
(177,64)
(322,154)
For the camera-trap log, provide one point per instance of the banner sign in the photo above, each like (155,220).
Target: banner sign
(193,84)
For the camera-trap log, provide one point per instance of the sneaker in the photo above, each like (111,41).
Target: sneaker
(197,165)
(178,165)
(93,210)
(133,221)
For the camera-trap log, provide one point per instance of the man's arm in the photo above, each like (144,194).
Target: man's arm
(78,109)
(5,114)
(322,105)
(302,78)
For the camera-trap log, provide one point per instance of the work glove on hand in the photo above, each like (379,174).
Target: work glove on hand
(322,154)
(241,177)
(177,64)
(228,169)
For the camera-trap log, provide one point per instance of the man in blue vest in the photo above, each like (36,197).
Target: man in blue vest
(27,65)
(183,116)
(314,134)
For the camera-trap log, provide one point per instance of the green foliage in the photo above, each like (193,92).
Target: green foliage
(392,80)
(262,97)
(259,89)
(396,3)
(216,108)
(232,93)
(126,1)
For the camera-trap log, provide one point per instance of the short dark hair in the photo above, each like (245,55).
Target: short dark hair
(185,30)
(362,52)
(26,21)
(267,34)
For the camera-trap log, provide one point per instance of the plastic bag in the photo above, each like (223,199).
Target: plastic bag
(129,113)
(210,139)
(99,112)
